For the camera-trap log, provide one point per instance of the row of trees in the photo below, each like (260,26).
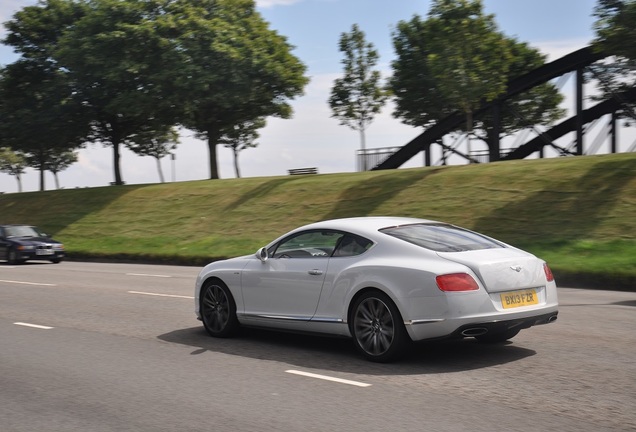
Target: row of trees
(130,72)
(456,59)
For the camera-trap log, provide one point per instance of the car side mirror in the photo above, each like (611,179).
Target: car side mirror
(262,254)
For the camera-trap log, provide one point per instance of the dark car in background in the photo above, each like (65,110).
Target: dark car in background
(19,243)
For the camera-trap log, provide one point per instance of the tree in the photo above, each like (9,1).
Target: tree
(231,68)
(358,96)
(240,137)
(454,61)
(40,115)
(12,163)
(157,146)
(116,60)
(615,30)
(58,162)
(539,105)
(615,35)
(461,53)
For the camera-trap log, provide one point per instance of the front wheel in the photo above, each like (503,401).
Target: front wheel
(12,257)
(377,327)
(218,310)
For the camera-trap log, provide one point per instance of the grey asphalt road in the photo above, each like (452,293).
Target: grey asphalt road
(114,347)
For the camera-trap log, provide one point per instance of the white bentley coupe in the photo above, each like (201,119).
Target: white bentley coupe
(383,282)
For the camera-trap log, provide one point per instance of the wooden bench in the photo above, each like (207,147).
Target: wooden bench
(301,171)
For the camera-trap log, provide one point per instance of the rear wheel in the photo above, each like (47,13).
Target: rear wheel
(377,327)
(218,310)
(498,337)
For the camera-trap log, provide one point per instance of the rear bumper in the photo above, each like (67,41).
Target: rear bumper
(478,329)
(477,326)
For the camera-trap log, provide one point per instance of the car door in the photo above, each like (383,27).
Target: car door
(287,286)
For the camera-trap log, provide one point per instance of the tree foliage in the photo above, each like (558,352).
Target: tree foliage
(456,53)
(139,67)
(114,57)
(455,60)
(357,96)
(58,162)
(615,28)
(12,163)
(232,68)
(156,145)
(539,105)
(240,137)
(40,115)
(615,35)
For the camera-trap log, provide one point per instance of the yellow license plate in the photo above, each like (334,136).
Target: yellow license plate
(520,298)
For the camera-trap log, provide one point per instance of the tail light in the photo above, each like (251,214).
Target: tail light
(456,282)
(548,273)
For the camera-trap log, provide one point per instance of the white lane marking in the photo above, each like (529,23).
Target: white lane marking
(148,275)
(328,378)
(33,326)
(160,295)
(27,283)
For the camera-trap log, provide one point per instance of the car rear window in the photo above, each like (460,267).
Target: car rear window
(442,237)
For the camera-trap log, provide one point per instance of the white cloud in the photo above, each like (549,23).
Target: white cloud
(272,3)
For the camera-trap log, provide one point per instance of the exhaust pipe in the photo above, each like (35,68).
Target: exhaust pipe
(553,318)
(475,331)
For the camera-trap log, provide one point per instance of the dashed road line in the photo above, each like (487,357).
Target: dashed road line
(28,283)
(37,326)
(148,275)
(160,295)
(328,378)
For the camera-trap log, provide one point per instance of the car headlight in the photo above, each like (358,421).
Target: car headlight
(58,246)
(22,247)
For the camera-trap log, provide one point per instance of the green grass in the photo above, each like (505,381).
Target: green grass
(577,213)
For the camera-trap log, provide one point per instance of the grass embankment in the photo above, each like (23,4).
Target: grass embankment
(579,213)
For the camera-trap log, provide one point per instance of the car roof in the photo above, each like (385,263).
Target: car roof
(366,224)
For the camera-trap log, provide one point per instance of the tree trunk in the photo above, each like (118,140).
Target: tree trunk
(57,180)
(116,157)
(363,147)
(469,130)
(212,142)
(236,166)
(42,185)
(19,180)
(160,171)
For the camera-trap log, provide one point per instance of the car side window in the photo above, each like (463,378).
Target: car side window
(352,245)
(308,244)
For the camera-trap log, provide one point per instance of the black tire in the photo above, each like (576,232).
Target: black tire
(218,310)
(12,257)
(377,327)
(56,260)
(498,337)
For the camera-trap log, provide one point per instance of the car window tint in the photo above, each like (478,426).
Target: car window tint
(352,245)
(308,244)
(442,237)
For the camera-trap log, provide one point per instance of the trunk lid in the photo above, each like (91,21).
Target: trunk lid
(502,269)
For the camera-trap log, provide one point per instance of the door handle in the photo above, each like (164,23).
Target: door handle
(315,272)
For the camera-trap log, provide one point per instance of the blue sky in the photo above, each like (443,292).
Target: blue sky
(312,137)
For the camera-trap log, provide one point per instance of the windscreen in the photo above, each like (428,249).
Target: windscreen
(442,237)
